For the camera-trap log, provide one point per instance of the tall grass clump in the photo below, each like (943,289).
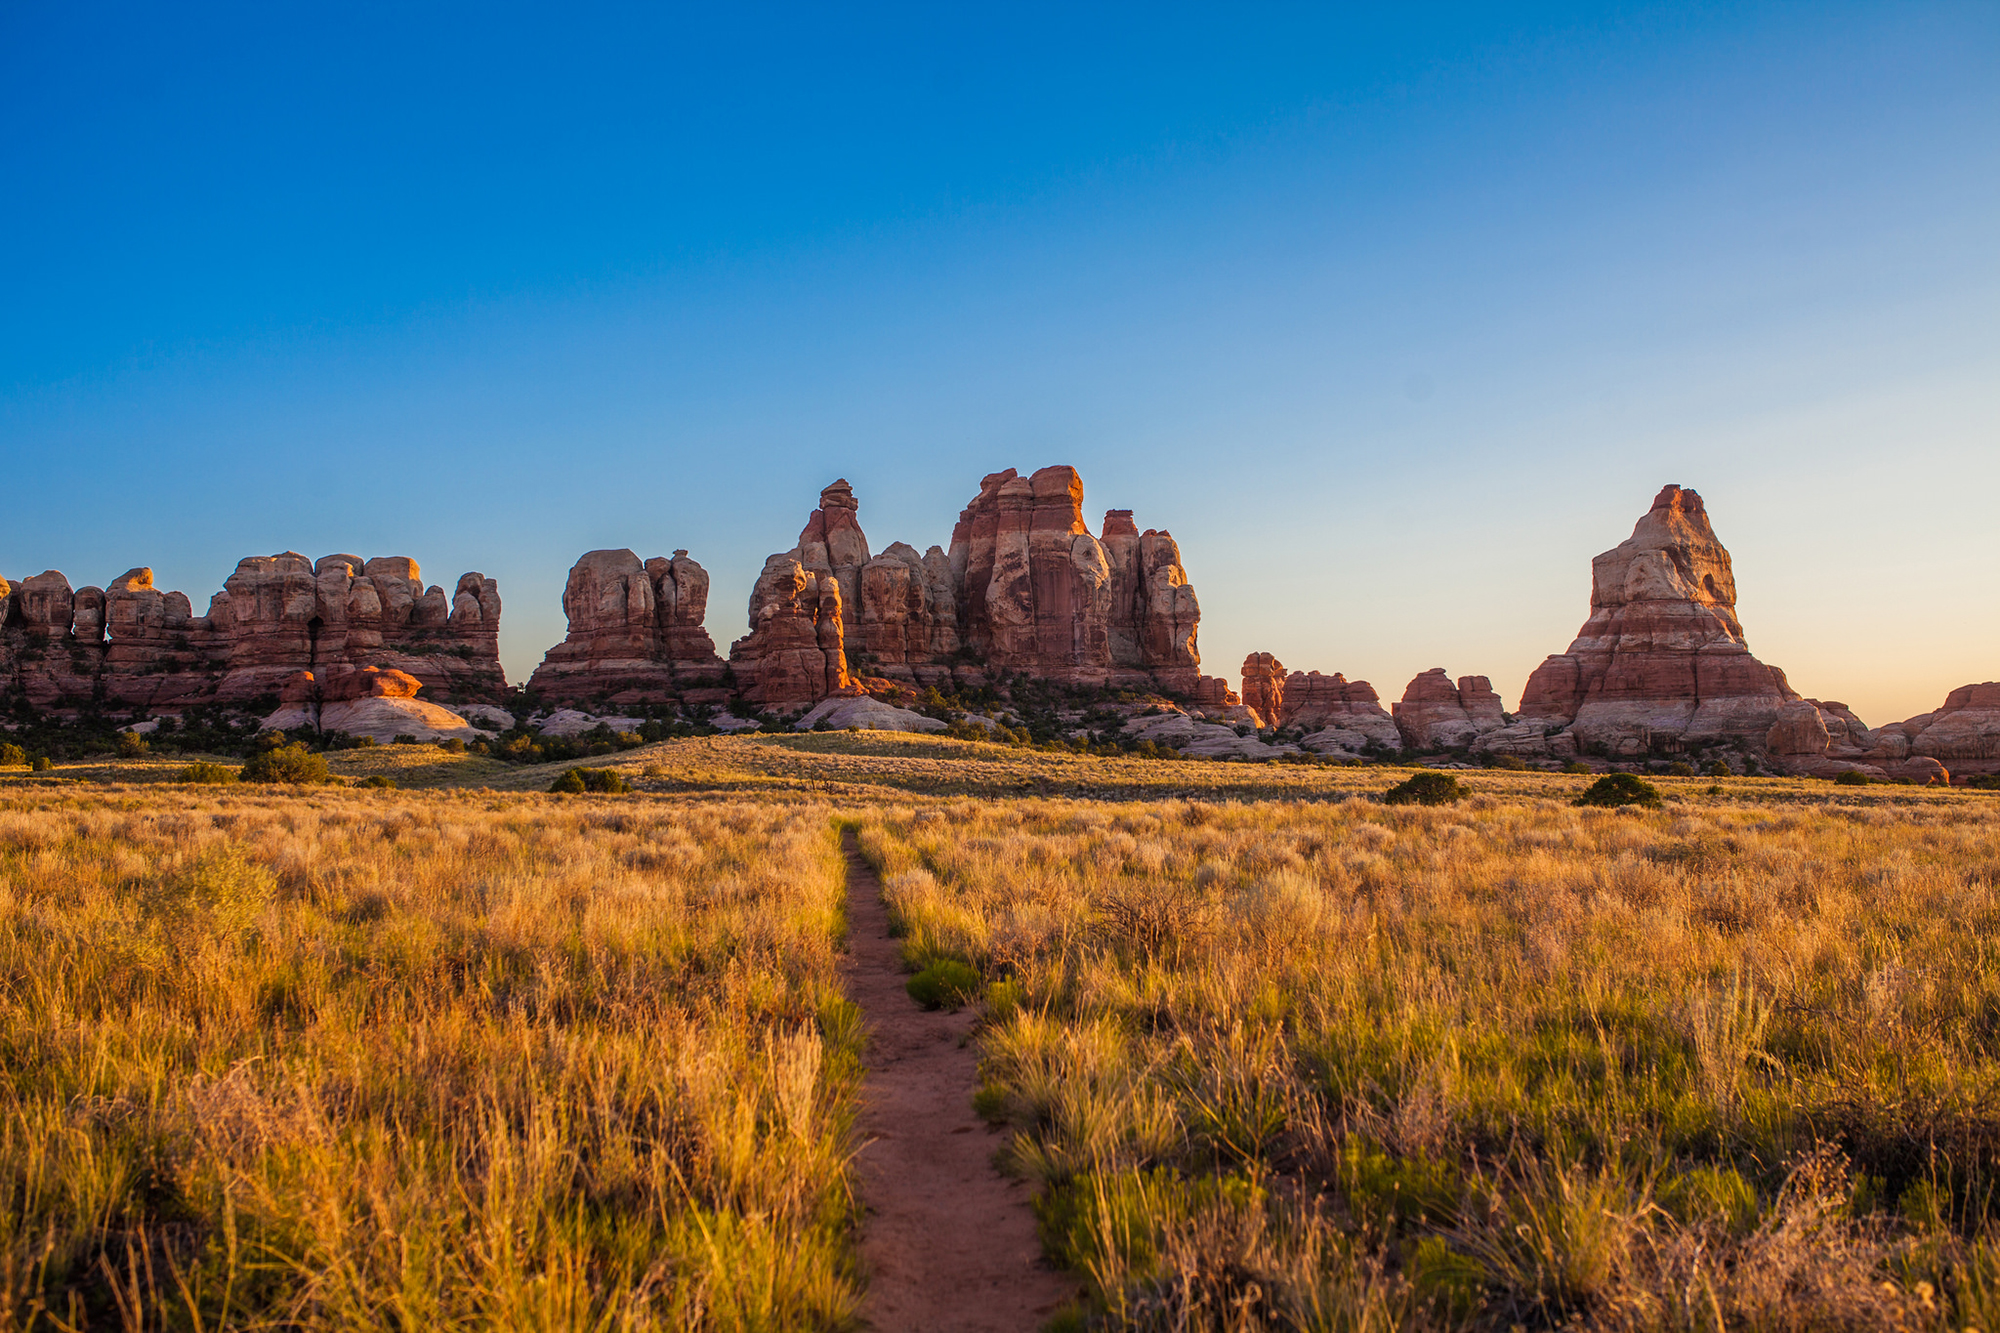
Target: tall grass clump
(343,1060)
(1508,1062)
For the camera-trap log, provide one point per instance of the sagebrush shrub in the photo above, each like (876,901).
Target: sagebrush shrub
(1614,789)
(1426,788)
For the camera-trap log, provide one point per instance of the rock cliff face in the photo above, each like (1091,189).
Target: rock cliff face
(133,646)
(1661,666)
(1024,588)
(1963,735)
(1436,714)
(1338,714)
(1037,593)
(635,634)
(1961,738)
(1264,687)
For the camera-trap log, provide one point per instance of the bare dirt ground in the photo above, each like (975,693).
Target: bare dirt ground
(949,1242)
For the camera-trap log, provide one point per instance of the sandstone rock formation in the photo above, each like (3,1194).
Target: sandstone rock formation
(1661,666)
(1037,593)
(283,613)
(133,646)
(868,714)
(1961,738)
(1963,735)
(636,634)
(1436,714)
(1025,588)
(795,652)
(1264,687)
(1826,739)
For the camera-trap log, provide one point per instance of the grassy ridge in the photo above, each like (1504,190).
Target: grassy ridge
(347,1059)
(1311,1065)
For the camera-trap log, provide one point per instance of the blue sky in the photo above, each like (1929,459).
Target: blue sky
(1393,320)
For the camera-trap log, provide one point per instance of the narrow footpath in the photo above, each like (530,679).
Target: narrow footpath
(949,1242)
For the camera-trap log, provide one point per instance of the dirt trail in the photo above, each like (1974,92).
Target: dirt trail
(949,1242)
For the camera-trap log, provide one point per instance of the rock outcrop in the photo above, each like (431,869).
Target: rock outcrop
(1264,687)
(1436,714)
(1661,667)
(1038,594)
(1024,588)
(1961,739)
(1963,735)
(636,634)
(134,646)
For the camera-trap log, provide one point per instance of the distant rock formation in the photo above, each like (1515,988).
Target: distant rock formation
(133,646)
(1963,735)
(1264,687)
(1661,666)
(1337,714)
(1961,738)
(1038,594)
(635,634)
(281,614)
(1025,588)
(1436,714)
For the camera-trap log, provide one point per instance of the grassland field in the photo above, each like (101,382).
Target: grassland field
(1272,1054)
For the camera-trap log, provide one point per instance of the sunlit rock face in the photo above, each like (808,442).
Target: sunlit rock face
(131,645)
(1025,588)
(635,636)
(1662,664)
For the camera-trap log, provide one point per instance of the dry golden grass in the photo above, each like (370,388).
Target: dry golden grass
(338,1059)
(1321,1064)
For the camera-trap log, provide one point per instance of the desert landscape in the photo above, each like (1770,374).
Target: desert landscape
(1089,668)
(1005,972)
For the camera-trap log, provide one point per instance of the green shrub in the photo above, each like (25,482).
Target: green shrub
(1680,769)
(604,781)
(1984,782)
(403,738)
(1511,762)
(207,774)
(1721,769)
(40,764)
(1620,789)
(1426,788)
(131,745)
(1576,766)
(1852,777)
(378,780)
(292,763)
(949,983)
(12,755)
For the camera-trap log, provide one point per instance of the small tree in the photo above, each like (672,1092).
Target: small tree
(1426,788)
(292,763)
(1721,769)
(12,756)
(1620,789)
(1852,777)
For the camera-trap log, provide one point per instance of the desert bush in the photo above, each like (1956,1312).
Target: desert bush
(378,780)
(576,781)
(293,763)
(1615,789)
(1426,788)
(944,984)
(12,755)
(131,745)
(204,772)
(40,764)
(1852,777)
(1721,769)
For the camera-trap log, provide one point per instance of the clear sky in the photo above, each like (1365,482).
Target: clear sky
(1393,315)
